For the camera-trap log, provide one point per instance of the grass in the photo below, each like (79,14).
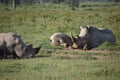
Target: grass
(36,23)
(67,68)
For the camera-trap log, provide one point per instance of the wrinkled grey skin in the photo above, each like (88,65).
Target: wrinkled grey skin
(60,39)
(91,37)
(11,44)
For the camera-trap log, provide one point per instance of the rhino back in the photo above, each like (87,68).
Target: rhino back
(98,36)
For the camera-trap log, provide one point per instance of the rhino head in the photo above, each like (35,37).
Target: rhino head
(22,50)
(78,42)
(83,40)
(27,51)
(60,39)
(84,32)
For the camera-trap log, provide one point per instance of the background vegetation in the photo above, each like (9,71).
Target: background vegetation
(37,22)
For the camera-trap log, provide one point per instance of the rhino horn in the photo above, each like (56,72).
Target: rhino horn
(72,38)
(37,49)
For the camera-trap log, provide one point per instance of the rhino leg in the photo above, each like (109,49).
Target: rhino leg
(89,47)
(1,55)
(64,45)
(85,47)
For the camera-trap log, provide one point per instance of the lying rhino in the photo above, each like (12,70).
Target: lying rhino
(60,39)
(91,37)
(11,44)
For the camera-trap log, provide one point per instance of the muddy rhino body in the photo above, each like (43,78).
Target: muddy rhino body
(60,39)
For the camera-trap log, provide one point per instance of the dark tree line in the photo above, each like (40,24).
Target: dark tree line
(4,2)
(16,1)
(73,3)
(52,1)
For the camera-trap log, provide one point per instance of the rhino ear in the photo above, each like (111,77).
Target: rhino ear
(78,36)
(19,36)
(30,45)
(81,27)
(87,27)
(24,49)
(17,40)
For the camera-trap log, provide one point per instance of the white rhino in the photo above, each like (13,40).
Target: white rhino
(11,44)
(91,37)
(60,39)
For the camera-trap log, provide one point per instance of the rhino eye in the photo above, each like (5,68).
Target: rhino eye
(58,41)
(50,40)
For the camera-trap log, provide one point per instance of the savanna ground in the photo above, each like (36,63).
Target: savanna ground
(36,23)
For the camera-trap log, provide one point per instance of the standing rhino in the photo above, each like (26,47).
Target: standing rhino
(11,44)
(60,39)
(91,37)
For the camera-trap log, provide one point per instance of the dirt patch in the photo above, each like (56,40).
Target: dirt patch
(79,50)
(95,54)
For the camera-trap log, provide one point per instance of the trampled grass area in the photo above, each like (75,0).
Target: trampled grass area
(36,23)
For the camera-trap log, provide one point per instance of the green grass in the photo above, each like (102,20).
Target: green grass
(78,67)
(36,23)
